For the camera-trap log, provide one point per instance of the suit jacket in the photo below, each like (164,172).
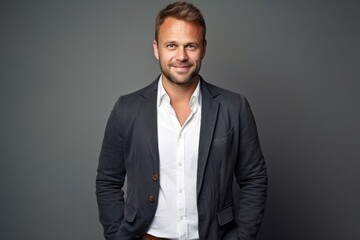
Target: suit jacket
(228,149)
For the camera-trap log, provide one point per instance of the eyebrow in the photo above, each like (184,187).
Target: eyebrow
(188,43)
(171,42)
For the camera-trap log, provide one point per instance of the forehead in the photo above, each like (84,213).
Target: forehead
(174,29)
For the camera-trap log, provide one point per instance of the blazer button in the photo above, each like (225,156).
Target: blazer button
(155,177)
(151,198)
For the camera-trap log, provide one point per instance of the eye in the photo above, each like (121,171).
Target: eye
(191,47)
(171,46)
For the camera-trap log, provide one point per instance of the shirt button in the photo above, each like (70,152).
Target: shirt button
(180,164)
(151,198)
(180,190)
(155,177)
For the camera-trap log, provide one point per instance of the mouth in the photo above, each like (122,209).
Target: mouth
(181,68)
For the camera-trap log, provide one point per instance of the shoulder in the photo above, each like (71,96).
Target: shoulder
(131,99)
(127,107)
(231,104)
(144,92)
(222,95)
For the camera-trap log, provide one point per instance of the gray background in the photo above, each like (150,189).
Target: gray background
(64,63)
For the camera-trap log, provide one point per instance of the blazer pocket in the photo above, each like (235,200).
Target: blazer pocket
(226,215)
(129,213)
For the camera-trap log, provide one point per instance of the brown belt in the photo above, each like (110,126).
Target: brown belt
(151,237)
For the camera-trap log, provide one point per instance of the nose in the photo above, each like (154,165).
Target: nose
(181,54)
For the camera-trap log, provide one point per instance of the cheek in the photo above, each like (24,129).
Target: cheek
(166,57)
(197,57)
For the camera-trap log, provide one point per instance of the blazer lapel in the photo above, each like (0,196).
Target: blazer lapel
(148,110)
(209,114)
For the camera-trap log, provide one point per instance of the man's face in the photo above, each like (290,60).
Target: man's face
(180,49)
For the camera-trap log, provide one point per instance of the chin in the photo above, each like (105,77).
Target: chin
(182,81)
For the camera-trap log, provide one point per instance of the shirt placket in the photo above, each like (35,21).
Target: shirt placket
(181,198)
(180,170)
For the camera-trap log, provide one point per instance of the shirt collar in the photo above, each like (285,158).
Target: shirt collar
(195,100)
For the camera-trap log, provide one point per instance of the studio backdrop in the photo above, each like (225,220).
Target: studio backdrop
(63,64)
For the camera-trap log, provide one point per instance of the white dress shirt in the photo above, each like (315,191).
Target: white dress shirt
(176,215)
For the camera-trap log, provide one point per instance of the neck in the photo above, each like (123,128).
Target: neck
(180,93)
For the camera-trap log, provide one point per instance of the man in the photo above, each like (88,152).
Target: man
(180,142)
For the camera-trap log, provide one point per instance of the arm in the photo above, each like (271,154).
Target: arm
(111,176)
(250,171)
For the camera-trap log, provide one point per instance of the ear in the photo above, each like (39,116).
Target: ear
(156,49)
(204,50)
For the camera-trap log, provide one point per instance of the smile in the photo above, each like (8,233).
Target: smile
(182,67)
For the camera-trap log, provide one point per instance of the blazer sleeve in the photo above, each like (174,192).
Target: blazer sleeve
(111,175)
(250,171)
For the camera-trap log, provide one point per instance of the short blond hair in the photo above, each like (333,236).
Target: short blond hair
(183,11)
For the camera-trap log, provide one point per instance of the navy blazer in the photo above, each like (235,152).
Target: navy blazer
(228,149)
